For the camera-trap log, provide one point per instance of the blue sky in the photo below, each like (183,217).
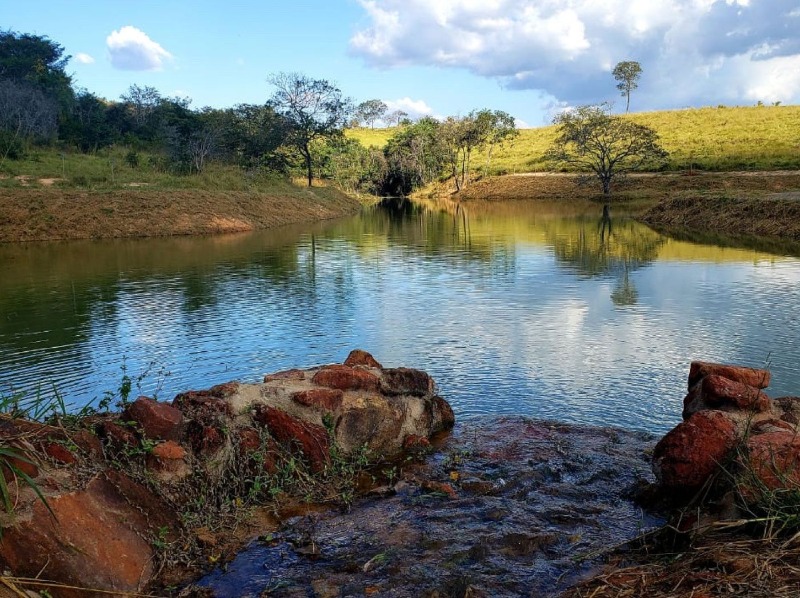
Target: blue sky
(530,58)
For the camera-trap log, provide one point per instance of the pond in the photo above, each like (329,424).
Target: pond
(519,308)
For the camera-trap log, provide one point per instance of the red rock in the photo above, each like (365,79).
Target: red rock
(117,436)
(416,443)
(87,442)
(772,425)
(774,457)
(98,541)
(59,453)
(293,374)
(693,451)
(325,399)
(169,459)
(440,487)
(248,440)
(23,464)
(158,421)
(359,357)
(791,409)
(346,378)
(169,451)
(204,440)
(443,416)
(406,381)
(717,392)
(311,438)
(750,376)
(205,402)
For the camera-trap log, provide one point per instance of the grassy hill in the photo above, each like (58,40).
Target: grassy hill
(740,138)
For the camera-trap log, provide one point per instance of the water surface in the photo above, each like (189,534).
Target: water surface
(519,308)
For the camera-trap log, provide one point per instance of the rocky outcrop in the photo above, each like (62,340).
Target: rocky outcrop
(730,424)
(97,531)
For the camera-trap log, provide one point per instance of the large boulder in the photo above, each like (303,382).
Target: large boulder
(158,421)
(717,392)
(694,450)
(95,538)
(751,376)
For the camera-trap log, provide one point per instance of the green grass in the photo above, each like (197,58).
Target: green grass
(738,138)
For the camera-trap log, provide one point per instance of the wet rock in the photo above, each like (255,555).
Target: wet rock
(346,378)
(439,488)
(312,439)
(443,416)
(323,399)
(360,357)
(716,392)
(689,454)
(406,381)
(774,457)
(293,374)
(97,540)
(416,443)
(756,378)
(158,421)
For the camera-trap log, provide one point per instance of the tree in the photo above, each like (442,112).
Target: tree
(627,75)
(312,108)
(502,127)
(395,117)
(592,139)
(25,113)
(38,62)
(370,111)
(142,103)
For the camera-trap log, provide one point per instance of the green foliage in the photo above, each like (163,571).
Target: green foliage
(591,139)
(369,111)
(627,74)
(312,109)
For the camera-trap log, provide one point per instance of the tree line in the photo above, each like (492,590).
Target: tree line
(298,130)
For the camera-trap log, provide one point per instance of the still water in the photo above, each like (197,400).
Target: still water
(516,308)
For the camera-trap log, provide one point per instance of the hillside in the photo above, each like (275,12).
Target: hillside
(739,138)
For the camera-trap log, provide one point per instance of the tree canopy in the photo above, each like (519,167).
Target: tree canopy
(591,139)
(627,74)
(313,109)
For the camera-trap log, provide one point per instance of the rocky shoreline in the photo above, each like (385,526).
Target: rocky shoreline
(344,480)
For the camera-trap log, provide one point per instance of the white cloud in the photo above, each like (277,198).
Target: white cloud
(414,108)
(132,50)
(692,51)
(84,58)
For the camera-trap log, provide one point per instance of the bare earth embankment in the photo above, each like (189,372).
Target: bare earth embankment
(47,214)
(730,203)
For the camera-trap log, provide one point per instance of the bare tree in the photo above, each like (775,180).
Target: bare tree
(591,139)
(395,117)
(142,101)
(627,75)
(25,113)
(312,108)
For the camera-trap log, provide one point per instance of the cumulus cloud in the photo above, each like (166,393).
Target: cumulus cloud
(414,108)
(132,50)
(692,51)
(84,58)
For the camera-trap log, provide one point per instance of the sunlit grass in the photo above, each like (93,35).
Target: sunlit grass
(737,138)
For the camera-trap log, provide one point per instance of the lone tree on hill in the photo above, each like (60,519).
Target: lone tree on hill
(370,111)
(591,139)
(627,75)
(312,109)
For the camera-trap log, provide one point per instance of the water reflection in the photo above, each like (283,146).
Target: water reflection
(518,308)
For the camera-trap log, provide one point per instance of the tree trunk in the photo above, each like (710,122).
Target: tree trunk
(628,104)
(307,156)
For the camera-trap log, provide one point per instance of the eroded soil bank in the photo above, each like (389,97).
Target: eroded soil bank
(504,507)
(48,214)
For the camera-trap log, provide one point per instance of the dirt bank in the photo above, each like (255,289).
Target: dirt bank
(758,204)
(47,214)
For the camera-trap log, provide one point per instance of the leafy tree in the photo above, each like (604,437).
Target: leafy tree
(37,62)
(88,125)
(256,136)
(415,156)
(370,111)
(627,74)
(591,139)
(313,109)
(502,128)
